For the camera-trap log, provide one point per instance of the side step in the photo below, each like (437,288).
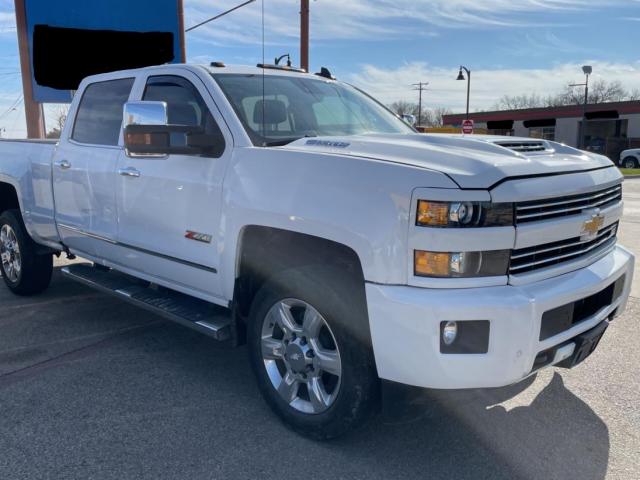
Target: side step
(194,313)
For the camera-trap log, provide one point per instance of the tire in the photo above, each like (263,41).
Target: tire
(23,270)
(629,162)
(349,398)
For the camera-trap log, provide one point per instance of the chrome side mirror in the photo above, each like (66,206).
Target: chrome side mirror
(145,113)
(147,133)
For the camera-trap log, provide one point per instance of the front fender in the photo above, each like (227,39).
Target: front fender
(360,203)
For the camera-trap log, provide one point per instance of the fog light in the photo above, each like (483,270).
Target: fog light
(449,333)
(464,336)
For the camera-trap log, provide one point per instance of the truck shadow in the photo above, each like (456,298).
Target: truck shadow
(556,436)
(201,393)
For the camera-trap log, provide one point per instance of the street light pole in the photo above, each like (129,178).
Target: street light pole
(461,77)
(587,70)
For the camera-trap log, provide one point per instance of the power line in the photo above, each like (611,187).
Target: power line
(220,15)
(13,106)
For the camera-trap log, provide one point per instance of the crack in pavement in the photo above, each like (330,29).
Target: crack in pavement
(10,378)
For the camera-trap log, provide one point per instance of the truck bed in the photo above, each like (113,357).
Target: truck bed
(26,164)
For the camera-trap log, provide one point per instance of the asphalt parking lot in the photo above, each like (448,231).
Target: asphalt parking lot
(93,388)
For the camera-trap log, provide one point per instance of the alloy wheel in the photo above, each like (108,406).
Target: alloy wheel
(301,356)
(10,253)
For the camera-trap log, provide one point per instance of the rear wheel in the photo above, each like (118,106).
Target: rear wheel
(313,364)
(24,271)
(630,162)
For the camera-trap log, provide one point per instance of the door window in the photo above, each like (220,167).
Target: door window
(185,106)
(99,117)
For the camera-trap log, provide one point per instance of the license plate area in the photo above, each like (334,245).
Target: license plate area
(586,344)
(563,318)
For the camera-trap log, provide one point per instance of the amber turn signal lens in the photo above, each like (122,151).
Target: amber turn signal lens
(433,213)
(432,264)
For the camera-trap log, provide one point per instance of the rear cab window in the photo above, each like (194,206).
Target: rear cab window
(99,117)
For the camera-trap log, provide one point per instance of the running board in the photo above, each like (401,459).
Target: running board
(205,317)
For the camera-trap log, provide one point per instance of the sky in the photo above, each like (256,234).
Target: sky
(512,47)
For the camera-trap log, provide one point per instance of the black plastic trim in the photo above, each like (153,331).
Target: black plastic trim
(472,338)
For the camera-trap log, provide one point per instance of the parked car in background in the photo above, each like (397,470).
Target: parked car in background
(410,119)
(630,158)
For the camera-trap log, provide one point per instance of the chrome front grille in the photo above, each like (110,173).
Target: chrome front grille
(541,256)
(536,210)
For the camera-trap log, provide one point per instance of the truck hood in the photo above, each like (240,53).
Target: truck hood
(476,161)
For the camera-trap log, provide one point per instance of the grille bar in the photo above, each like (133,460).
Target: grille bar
(614,190)
(574,204)
(533,258)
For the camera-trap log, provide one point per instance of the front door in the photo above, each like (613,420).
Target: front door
(84,165)
(169,207)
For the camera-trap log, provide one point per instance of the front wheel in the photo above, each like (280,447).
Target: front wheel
(24,270)
(629,162)
(308,348)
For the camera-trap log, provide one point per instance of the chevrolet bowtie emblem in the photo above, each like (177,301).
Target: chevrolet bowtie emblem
(591,227)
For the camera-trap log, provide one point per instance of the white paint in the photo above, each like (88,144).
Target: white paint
(405,325)
(360,191)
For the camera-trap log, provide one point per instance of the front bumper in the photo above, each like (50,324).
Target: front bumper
(405,325)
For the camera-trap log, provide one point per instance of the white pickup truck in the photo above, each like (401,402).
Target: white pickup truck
(294,213)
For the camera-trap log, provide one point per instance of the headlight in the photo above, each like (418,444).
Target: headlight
(464,214)
(461,264)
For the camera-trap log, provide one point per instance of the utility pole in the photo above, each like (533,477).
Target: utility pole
(304,35)
(420,87)
(33,110)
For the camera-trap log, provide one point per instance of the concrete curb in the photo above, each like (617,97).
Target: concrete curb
(632,176)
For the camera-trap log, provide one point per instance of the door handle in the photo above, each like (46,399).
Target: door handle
(129,172)
(63,164)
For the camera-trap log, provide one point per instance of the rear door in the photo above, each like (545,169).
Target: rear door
(84,167)
(169,207)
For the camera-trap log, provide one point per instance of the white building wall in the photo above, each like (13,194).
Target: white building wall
(567,131)
(633,127)
(519,129)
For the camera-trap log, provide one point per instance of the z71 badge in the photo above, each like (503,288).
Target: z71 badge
(198,237)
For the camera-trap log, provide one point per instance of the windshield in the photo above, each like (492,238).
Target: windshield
(293,108)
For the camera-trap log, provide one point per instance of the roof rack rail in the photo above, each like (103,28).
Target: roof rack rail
(325,73)
(281,67)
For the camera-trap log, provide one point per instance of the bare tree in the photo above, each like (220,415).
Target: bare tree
(60,116)
(516,102)
(436,116)
(402,107)
(600,91)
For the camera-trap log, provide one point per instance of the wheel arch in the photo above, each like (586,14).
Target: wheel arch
(8,197)
(265,251)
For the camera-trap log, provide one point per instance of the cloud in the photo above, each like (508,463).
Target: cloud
(373,19)
(487,86)
(7,22)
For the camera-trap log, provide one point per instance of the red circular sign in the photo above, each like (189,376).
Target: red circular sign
(467,127)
